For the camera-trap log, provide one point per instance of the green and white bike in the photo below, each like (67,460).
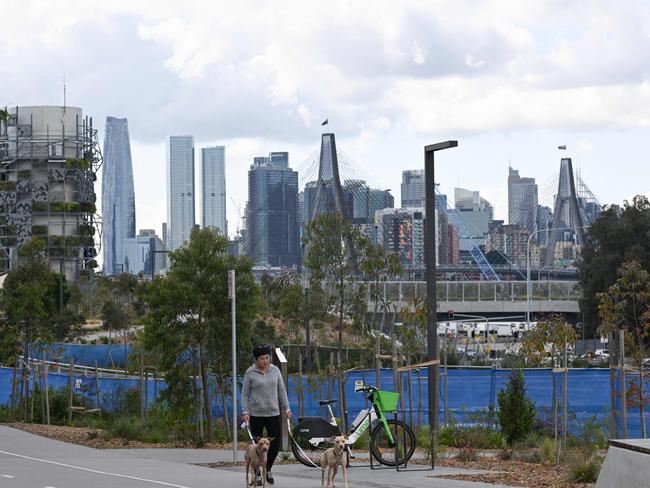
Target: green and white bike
(392,442)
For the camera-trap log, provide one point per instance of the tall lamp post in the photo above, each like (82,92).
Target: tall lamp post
(528,282)
(430,256)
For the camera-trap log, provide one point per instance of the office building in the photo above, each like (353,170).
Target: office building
(140,252)
(509,240)
(118,195)
(522,201)
(180,190)
(213,188)
(471,217)
(413,188)
(272,232)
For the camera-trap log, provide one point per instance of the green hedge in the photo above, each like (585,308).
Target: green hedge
(7,186)
(39,207)
(83,164)
(65,207)
(87,230)
(88,207)
(39,230)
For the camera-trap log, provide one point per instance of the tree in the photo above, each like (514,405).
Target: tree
(617,236)
(189,311)
(333,247)
(292,308)
(546,343)
(516,410)
(377,266)
(626,305)
(31,300)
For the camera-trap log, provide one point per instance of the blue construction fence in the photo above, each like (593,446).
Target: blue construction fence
(469,392)
(108,356)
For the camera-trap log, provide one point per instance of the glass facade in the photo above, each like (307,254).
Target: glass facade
(180,190)
(272,212)
(213,188)
(118,196)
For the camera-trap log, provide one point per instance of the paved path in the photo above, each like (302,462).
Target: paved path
(29,461)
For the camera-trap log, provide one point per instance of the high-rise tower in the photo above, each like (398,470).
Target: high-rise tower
(118,195)
(272,212)
(213,188)
(180,190)
(413,188)
(522,201)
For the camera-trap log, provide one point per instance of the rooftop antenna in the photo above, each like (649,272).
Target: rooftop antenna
(64,94)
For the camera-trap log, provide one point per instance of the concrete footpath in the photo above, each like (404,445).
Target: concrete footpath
(27,461)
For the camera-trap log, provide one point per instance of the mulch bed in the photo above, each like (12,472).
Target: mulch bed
(514,473)
(98,438)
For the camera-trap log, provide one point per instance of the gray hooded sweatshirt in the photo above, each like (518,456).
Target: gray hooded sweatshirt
(262,394)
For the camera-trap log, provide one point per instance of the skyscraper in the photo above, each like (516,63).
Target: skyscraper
(180,190)
(472,214)
(413,188)
(271,215)
(118,195)
(522,201)
(213,188)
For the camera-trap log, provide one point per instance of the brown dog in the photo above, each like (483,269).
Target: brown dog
(255,457)
(330,461)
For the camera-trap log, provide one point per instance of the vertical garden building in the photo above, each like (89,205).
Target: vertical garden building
(48,164)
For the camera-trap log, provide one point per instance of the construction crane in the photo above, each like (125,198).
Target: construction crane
(475,250)
(239,213)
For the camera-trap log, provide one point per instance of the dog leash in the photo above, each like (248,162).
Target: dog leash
(300,448)
(245,425)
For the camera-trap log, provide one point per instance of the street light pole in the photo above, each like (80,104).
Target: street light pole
(528,283)
(430,256)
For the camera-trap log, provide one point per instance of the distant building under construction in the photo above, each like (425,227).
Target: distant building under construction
(48,165)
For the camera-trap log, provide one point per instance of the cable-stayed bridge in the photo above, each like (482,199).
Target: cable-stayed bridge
(331,182)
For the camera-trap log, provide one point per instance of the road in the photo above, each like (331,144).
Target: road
(30,461)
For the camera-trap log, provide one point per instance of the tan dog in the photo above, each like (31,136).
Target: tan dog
(330,461)
(255,457)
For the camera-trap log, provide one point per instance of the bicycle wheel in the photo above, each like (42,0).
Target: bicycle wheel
(385,451)
(310,454)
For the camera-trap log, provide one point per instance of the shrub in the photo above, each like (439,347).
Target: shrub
(39,230)
(547,450)
(529,456)
(446,436)
(516,410)
(39,207)
(7,186)
(585,471)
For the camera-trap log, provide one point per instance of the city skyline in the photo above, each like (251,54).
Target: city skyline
(516,84)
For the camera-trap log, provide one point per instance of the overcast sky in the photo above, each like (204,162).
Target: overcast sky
(510,80)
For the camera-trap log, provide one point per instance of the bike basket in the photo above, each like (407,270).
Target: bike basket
(387,400)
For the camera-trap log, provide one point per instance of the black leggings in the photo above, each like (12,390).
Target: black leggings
(273,429)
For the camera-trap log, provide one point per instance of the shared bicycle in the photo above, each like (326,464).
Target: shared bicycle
(392,442)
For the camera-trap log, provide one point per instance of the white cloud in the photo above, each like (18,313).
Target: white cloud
(261,76)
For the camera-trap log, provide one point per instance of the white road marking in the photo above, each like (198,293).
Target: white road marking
(7,476)
(116,475)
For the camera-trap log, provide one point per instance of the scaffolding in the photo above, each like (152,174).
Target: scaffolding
(49,158)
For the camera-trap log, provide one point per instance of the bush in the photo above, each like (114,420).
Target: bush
(446,436)
(547,450)
(516,410)
(585,471)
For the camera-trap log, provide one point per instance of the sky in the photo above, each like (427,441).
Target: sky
(510,80)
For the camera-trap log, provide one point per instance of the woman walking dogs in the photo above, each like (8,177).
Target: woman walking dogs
(262,396)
